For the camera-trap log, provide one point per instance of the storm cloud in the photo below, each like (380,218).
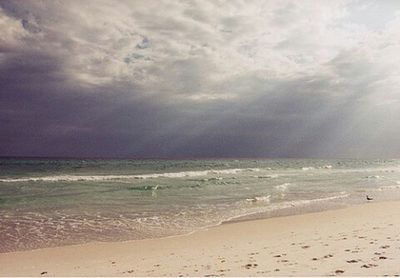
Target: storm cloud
(180,79)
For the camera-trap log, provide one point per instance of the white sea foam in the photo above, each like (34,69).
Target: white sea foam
(282,187)
(260,199)
(311,201)
(263,198)
(374,177)
(267,177)
(388,187)
(72,178)
(307,168)
(282,205)
(212,179)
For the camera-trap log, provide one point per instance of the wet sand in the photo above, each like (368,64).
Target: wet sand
(361,240)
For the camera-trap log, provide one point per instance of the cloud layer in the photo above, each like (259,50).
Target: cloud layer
(200,78)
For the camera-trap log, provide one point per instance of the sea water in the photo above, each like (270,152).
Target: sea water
(45,203)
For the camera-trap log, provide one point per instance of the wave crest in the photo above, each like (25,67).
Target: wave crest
(72,178)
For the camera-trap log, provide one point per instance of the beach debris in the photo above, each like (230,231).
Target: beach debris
(369,198)
(248,266)
(382,258)
(305,246)
(385,246)
(339,271)
(368,265)
(352,261)
(43,273)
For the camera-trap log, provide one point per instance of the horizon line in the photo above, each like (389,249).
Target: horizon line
(184,158)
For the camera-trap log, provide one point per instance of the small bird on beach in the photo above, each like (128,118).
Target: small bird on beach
(369,198)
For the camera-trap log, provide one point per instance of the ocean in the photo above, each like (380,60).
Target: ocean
(46,203)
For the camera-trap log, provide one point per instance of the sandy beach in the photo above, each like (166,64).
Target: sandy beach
(359,240)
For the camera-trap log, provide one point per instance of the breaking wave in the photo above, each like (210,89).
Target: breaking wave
(282,187)
(267,177)
(266,199)
(72,178)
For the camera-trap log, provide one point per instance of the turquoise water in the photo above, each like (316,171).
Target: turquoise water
(47,203)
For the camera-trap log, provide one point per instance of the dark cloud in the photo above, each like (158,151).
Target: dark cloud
(171,79)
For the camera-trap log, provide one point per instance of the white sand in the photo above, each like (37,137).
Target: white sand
(360,240)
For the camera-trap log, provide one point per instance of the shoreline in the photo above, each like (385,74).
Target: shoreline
(358,240)
(279,212)
(288,208)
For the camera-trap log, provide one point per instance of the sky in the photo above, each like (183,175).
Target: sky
(200,78)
